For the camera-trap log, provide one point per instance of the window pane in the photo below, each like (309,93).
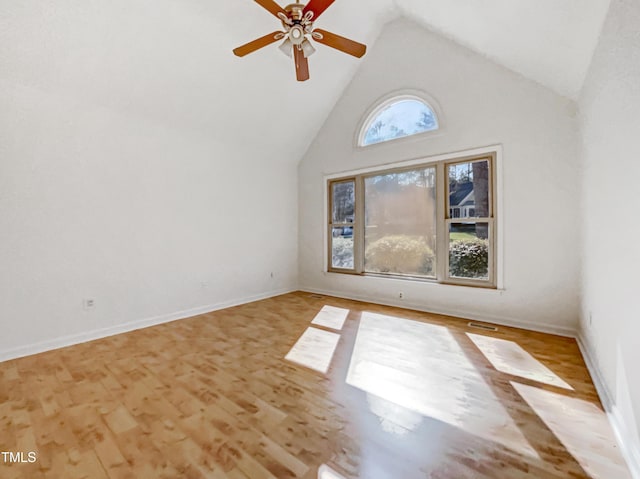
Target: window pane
(400,223)
(343,202)
(469,190)
(342,247)
(401,118)
(469,250)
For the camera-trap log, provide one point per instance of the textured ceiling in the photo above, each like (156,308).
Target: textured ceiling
(170,61)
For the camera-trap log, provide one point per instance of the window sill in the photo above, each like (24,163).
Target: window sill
(412,279)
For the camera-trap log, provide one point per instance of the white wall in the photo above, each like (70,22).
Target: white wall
(98,203)
(610,121)
(483,104)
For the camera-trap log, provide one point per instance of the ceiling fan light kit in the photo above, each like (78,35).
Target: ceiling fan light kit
(307,48)
(287,48)
(297,21)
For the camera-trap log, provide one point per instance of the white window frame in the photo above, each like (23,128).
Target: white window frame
(496,229)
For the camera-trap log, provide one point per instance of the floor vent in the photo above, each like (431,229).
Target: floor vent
(482,326)
(316,296)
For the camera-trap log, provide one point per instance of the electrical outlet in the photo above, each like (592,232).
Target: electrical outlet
(88,304)
(401,295)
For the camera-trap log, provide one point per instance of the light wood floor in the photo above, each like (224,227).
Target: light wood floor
(407,395)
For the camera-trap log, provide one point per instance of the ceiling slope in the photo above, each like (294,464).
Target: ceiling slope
(171,62)
(549,41)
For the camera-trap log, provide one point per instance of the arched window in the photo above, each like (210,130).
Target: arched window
(398,117)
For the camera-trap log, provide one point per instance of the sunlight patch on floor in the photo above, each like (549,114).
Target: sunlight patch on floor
(582,428)
(314,349)
(510,358)
(331,317)
(420,367)
(394,418)
(325,472)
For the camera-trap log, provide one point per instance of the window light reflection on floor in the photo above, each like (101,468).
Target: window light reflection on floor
(420,367)
(325,472)
(393,418)
(510,358)
(580,426)
(314,349)
(331,317)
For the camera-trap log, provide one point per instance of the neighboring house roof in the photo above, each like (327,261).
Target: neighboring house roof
(460,193)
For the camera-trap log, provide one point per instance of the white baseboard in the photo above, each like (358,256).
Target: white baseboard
(630,451)
(70,340)
(543,328)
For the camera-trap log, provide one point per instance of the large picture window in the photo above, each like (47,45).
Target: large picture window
(432,221)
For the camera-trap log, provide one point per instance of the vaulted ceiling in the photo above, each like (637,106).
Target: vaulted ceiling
(549,41)
(170,61)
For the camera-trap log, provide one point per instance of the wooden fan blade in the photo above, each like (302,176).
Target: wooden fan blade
(341,43)
(272,6)
(257,44)
(317,7)
(302,65)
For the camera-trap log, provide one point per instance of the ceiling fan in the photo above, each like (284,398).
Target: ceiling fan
(297,21)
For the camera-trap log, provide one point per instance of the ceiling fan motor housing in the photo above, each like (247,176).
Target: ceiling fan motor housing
(295,11)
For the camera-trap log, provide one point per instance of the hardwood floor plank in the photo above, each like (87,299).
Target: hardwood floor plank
(407,395)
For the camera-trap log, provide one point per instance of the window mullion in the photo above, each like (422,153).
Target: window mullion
(441,225)
(359,226)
